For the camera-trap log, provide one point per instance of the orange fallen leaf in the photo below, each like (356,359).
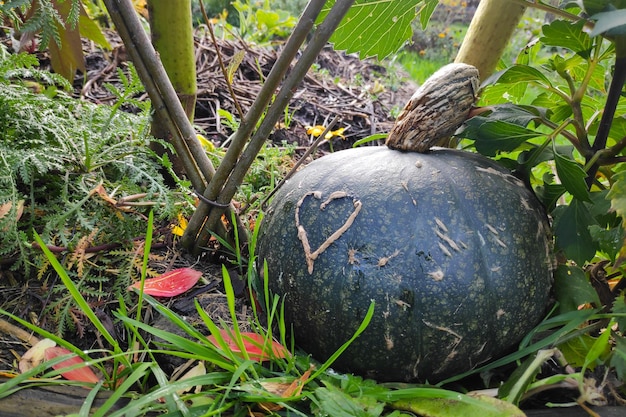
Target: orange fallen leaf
(254,344)
(284,390)
(83,374)
(169,284)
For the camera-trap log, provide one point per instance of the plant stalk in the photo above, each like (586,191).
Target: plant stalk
(614,94)
(489,33)
(191,237)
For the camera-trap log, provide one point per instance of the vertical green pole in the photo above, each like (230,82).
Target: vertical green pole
(489,33)
(172,36)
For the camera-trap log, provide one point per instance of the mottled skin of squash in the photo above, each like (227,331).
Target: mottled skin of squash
(453,249)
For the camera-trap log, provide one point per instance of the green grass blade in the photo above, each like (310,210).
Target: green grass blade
(85,409)
(75,293)
(338,352)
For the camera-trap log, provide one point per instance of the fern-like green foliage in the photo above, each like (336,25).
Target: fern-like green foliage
(67,162)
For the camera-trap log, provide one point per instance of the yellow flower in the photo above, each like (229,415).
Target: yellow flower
(316,131)
(206,144)
(442,35)
(179,229)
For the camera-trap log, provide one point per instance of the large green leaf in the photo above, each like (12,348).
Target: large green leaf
(572,231)
(492,136)
(572,288)
(519,74)
(444,407)
(575,350)
(373,28)
(617,195)
(618,360)
(567,35)
(572,176)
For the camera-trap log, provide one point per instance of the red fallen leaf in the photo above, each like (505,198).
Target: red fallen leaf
(254,345)
(170,284)
(84,374)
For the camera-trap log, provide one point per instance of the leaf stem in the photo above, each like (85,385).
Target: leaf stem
(614,94)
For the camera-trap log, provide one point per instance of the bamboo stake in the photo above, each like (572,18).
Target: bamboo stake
(489,33)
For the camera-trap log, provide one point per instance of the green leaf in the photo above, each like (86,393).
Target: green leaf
(572,176)
(599,348)
(619,307)
(515,114)
(618,360)
(571,230)
(373,28)
(617,195)
(90,30)
(549,194)
(491,136)
(609,241)
(567,35)
(444,407)
(519,74)
(575,350)
(426,12)
(572,288)
(334,402)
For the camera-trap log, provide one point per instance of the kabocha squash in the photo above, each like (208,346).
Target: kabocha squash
(452,248)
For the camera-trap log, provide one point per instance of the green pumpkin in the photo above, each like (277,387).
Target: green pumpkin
(453,249)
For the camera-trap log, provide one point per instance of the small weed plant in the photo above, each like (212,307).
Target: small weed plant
(79,174)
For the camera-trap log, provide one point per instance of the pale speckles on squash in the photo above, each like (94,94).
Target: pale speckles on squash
(383,261)
(492,229)
(437,275)
(352,259)
(388,341)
